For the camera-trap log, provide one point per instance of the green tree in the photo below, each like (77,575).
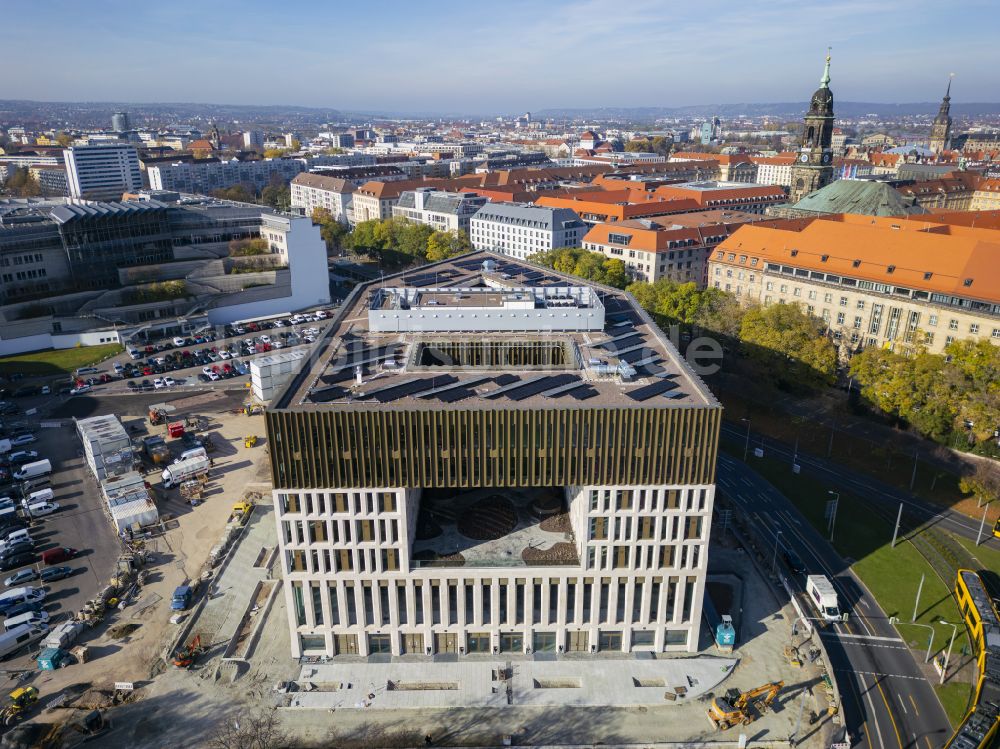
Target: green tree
(239,193)
(64,139)
(591,266)
(321,216)
(333,233)
(639,145)
(789,344)
(983,483)
(670,302)
(277,196)
(21,184)
(445,244)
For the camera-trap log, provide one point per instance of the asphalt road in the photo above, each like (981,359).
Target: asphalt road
(887,498)
(887,703)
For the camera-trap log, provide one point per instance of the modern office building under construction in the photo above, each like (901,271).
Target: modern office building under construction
(485,457)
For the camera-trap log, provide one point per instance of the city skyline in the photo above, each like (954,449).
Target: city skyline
(564,55)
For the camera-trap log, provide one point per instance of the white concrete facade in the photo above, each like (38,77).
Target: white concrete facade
(352,586)
(102,172)
(523,230)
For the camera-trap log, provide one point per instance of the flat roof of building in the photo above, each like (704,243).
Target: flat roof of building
(626,361)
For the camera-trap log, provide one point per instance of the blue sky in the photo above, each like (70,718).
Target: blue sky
(498,56)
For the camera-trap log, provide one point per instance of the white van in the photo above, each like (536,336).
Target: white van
(194,452)
(20,637)
(41,509)
(34,618)
(87,370)
(43,495)
(25,594)
(21,534)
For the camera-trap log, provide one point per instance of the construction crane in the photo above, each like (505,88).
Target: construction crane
(735,708)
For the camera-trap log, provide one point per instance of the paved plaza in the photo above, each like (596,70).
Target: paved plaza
(498,683)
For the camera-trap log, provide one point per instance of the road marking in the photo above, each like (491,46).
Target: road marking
(914,703)
(892,718)
(875,673)
(871,706)
(928,742)
(905,711)
(865,637)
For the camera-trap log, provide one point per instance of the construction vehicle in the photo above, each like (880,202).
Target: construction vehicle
(186,657)
(241,511)
(250,440)
(156,449)
(157,416)
(21,700)
(191,468)
(743,708)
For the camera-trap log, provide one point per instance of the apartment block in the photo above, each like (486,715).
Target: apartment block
(311,191)
(204,176)
(102,172)
(444,211)
(520,230)
(674,247)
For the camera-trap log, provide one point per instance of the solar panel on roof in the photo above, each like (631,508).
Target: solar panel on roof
(561,390)
(325,395)
(532,388)
(410,387)
(453,395)
(584,393)
(646,392)
(505,379)
(623,343)
(633,356)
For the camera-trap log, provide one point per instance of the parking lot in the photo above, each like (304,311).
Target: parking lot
(205,359)
(80,523)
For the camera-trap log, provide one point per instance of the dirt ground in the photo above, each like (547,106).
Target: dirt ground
(177,557)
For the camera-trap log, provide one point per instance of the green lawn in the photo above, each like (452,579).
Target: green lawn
(57,361)
(891,574)
(987,553)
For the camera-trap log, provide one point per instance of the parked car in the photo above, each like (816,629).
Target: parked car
(20,577)
(51,574)
(58,554)
(158,383)
(169,382)
(80,389)
(22,439)
(14,561)
(22,456)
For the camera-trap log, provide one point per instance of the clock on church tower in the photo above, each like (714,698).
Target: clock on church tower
(813,166)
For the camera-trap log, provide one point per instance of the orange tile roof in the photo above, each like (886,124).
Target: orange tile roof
(865,247)
(656,234)
(779,160)
(616,206)
(704,197)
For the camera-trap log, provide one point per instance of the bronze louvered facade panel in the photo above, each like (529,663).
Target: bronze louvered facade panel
(469,448)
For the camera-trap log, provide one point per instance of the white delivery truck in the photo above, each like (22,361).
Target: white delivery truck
(175,473)
(33,470)
(823,597)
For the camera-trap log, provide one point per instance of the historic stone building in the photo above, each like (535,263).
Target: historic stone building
(941,129)
(813,168)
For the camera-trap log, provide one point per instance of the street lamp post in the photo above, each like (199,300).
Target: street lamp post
(930,641)
(746,448)
(833,513)
(947,658)
(774,558)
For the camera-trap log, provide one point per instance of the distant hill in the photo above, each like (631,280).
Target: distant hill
(777,109)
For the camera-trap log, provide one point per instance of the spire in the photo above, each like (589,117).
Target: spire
(947,94)
(824,82)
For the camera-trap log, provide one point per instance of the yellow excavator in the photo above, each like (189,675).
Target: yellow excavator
(742,708)
(21,700)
